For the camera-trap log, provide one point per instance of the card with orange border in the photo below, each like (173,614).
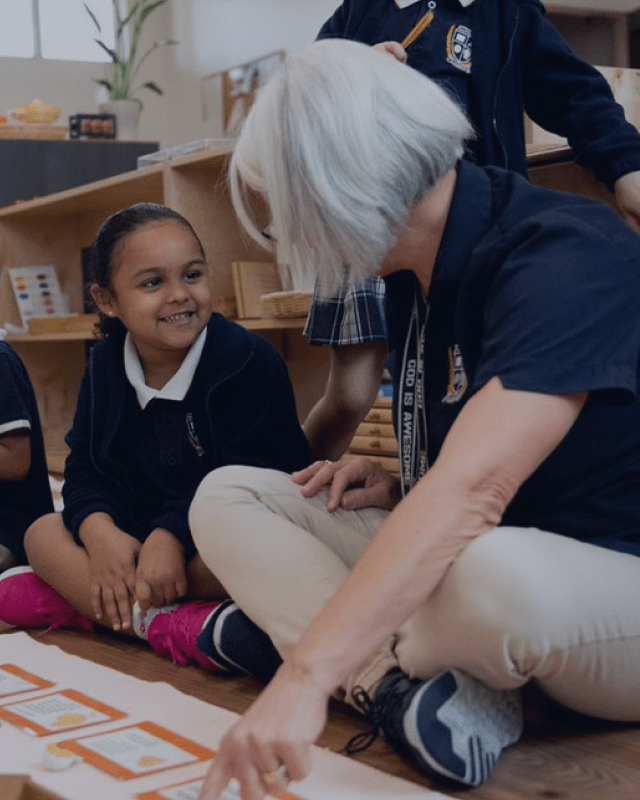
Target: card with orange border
(191,791)
(137,750)
(14,680)
(59,711)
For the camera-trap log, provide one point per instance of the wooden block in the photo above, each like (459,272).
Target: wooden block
(380,429)
(252,279)
(384,415)
(373,444)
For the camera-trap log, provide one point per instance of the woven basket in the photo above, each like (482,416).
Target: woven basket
(286,304)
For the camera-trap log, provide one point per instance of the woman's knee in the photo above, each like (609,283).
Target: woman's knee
(224,497)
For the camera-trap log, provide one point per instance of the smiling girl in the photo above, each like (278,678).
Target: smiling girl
(170,393)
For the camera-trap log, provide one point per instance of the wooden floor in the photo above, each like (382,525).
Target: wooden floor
(560,757)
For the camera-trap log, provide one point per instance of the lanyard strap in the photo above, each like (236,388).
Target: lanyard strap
(411,410)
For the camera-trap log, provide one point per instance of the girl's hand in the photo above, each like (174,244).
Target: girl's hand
(394,49)
(112,563)
(278,729)
(353,483)
(160,577)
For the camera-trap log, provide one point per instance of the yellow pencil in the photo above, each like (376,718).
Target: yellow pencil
(413,34)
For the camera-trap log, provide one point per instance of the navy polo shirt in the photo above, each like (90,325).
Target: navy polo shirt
(21,502)
(443,51)
(542,290)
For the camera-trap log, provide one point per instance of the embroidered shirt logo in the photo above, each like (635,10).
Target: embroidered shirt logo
(459,47)
(458,382)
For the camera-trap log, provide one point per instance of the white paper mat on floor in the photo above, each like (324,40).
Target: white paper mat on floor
(333,777)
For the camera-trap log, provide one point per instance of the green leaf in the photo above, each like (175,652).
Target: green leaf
(112,53)
(151,7)
(102,82)
(152,87)
(93,17)
(126,20)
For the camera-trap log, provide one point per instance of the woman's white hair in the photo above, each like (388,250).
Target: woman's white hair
(341,144)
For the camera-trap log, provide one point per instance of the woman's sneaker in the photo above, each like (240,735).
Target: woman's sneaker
(28,602)
(452,726)
(231,641)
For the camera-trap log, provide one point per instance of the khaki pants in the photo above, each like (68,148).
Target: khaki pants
(517,604)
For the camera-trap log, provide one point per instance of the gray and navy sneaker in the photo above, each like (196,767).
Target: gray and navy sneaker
(452,726)
(232,642)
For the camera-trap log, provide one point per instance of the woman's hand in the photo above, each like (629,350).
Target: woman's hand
(394,49)
(112,563)
(161,575)
(278,730)
(354,483)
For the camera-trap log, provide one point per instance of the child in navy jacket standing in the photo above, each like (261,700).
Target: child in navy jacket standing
(497,59)
(170,393)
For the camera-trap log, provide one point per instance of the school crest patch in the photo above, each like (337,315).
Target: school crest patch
(458,382)
(459,47)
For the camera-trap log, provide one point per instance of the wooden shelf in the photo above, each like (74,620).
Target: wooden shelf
(56,228)
(264,324)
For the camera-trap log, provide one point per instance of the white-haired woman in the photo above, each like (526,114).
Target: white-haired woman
(509,552)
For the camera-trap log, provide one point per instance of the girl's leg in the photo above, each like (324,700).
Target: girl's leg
(202,584)
(62,574)
(521,604)
(60,561)
(280,556)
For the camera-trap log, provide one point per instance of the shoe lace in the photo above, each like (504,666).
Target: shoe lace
(373,712)
(389,694)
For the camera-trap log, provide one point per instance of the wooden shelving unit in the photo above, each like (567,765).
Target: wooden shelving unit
(55,229)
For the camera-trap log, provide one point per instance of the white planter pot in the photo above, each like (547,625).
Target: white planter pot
(127,113)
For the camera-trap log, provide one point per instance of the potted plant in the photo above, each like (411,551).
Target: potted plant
(126,63)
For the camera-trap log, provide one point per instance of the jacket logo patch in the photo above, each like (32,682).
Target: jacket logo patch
(458,382)
(459,47)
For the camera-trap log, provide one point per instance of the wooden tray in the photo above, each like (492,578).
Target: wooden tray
(34,131)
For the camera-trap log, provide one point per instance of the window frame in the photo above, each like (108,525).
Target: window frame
(36,30)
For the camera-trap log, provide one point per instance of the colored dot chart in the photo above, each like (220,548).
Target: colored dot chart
(37,292)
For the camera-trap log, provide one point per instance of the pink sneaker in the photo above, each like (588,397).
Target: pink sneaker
(27,601)
(172,631)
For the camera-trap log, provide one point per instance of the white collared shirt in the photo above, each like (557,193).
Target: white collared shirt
(177,387)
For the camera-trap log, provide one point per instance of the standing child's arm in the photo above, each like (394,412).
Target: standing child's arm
(567,96)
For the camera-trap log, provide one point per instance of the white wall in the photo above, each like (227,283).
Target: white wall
(216,34)
(213,35)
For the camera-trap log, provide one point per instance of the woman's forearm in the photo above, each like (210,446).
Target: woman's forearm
(401,568)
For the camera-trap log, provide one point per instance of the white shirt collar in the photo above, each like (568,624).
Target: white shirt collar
(174,389)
